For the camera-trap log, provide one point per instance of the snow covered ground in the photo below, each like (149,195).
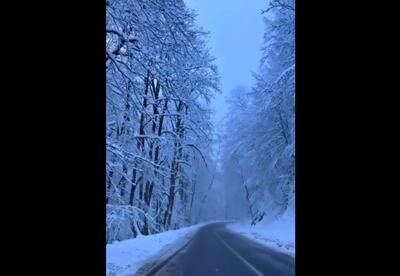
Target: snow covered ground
(278,234)
(126,257)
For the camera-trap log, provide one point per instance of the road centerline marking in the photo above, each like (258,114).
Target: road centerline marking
(251,267)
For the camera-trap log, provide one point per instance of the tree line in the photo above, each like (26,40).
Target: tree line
(259,149)
(160,79)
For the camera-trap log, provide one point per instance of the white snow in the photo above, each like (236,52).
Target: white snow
(126,257)
(278,234)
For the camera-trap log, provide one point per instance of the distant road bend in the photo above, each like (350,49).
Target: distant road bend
(216,251)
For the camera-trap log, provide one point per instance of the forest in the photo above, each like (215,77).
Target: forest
(167,164)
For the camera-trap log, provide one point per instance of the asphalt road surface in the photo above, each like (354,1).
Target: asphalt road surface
(217,251)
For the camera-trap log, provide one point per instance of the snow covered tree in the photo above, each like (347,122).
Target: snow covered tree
(260,127)
(160,78)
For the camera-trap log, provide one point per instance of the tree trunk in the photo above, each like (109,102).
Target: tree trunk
(140,142)
(122,182)
(174,169)
(109,184)
(133,187)
(192,198)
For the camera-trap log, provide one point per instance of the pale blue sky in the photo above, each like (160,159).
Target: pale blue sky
(236,31)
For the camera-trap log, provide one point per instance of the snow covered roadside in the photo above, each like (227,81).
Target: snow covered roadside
(126,257)
(279,234)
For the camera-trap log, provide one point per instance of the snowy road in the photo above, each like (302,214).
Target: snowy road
(217,251)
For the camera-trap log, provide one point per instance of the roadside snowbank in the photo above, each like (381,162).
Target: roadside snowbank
(126,257)
(278,234)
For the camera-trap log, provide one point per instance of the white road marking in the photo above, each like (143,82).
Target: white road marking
(252,268)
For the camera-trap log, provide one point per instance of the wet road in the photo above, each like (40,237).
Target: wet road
(217,251)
